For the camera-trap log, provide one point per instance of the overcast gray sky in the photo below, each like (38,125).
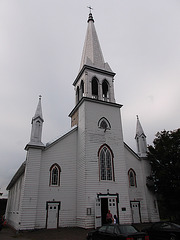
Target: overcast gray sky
(41,44)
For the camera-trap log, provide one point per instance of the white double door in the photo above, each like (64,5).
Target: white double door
(52,214)
(102,205)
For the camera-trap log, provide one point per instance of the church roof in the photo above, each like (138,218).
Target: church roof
(131,151)
(17,175)
(59,138)
(92,53)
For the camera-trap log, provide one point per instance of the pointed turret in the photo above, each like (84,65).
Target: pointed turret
(141,140)
(36,130)
(38,113)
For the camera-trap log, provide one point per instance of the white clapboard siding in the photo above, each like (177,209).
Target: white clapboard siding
(91,138)
(30,189)
(77,155)
(62,152)
(149,212)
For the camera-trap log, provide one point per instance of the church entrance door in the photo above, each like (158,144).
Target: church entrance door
(105,203)
(135,206)
(98,213)
(112,205)
(52,214)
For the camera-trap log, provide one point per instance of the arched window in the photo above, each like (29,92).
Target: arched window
(77,95)
(132,178)
(82,88)
(55,171)
(94,86)
(106,164)
(104,123)
(105,90)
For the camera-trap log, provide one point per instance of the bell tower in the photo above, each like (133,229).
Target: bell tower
(99,134)
(95,79)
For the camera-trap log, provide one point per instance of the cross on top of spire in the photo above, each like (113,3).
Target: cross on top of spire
(90,8)
(90,14)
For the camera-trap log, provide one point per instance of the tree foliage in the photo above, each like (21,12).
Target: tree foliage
(164,157)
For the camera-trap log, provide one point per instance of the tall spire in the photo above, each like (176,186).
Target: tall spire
(140,140)
(38,112)
(139,129)
(92,53)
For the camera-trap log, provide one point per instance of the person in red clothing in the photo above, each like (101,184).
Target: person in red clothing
(109,217)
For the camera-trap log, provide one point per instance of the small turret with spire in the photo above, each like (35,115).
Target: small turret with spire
(140,140)
(36,130)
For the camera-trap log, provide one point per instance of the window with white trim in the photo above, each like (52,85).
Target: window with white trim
(82,89)
(132,178)
(104,124)
(55,171)
(77,95)
(105,90)
(106,164)
(94,88)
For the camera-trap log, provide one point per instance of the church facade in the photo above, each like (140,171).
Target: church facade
(76,179)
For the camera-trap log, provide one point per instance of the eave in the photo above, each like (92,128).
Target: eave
(99,70)
(34,145)
(17,175)
(50,144)
(95,101)
(130,149)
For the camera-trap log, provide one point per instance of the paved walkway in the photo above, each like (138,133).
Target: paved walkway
(56,234)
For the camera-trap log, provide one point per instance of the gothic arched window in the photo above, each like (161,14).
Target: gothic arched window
(77,95)
(55,171)
(105,90)
(106,164)
(104,123)
(82,88)
(94,86)
(132,178)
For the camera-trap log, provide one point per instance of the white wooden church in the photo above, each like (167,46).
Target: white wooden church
(75,180)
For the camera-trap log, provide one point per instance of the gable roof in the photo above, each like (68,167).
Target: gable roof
(131,151)
(58,139)
(17,175)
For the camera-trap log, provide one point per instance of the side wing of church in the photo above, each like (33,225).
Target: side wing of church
(76,179)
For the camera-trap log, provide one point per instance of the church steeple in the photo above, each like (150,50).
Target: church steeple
(92,53)
(36,130)
(140,140)
(38,113)
(95,78)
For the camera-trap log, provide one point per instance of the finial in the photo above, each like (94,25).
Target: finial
(137,117)
(40,97)
(90,14)
(90,8)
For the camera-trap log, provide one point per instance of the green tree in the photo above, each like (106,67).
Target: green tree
(164,156)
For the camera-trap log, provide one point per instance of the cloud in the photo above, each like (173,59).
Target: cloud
(40,52)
